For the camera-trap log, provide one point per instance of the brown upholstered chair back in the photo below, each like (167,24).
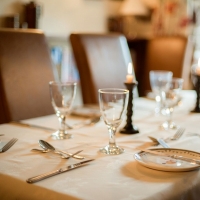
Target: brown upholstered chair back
(102,61)
(25,70)
(172,53)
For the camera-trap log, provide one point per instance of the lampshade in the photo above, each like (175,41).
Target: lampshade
(152,4)
(133,7)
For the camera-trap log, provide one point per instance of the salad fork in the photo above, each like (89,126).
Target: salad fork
(8,145)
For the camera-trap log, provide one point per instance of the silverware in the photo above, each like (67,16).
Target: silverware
(62,155)
(87,122)
(178,134)
(159,141)
(46,145)
(41,151)
(32,126)
(8,145)
(163,143)
(75,126)
(191,160)
(58,171)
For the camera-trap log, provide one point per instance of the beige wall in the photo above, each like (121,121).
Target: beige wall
(61,17)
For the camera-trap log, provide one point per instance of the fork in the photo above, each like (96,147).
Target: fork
(178,134)
(8,145)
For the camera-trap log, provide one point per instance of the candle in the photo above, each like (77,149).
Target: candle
(129,76)
(198,68)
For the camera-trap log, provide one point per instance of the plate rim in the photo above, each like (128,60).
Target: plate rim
(167,169)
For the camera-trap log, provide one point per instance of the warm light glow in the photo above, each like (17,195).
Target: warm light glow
(130,68)
(197,70)
(199,62)
(129,76)
(133,7)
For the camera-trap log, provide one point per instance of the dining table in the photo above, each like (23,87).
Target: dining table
(107,177)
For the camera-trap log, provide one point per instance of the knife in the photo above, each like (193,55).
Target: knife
(32,126)
(191,160)
(55,172)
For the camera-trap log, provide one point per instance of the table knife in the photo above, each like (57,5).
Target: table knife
(32,126)
(58,171)
(191,160)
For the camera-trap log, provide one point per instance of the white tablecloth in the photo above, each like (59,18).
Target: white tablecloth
(108,177)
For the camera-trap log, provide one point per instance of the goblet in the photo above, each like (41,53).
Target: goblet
(62,97)
(159,81)
(113,104)
(171,99)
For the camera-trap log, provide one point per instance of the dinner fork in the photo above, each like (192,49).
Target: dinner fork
(177,135)
(8,145)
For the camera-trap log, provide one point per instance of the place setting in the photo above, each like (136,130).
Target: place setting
(46,147)
(166,91)
(168,159)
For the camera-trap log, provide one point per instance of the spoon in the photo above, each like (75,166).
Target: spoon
(45,145)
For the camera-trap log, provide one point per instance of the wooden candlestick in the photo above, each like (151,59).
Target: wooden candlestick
(129,127)
(196,81)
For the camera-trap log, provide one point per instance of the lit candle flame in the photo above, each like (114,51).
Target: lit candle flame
(199,62)
(130,68)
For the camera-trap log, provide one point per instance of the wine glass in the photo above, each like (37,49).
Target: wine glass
(113,104)
(159,81)
(171,98)
(62,97)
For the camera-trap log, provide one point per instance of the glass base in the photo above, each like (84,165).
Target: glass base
(111,150)
(169,125)
(60,135)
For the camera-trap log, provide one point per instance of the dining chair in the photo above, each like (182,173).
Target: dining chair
(25,70)
(102,61)
(171,53)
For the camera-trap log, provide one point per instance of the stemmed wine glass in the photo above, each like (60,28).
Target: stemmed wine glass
(113,104)
(62,97)
(171,99)
(159,81)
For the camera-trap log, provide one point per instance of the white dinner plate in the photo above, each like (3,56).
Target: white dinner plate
(165,163)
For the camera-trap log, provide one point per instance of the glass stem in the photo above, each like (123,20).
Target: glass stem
(62,124)
(169,112)
(112,131)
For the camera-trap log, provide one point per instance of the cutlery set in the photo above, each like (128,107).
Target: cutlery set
(46,147)
(163,142)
